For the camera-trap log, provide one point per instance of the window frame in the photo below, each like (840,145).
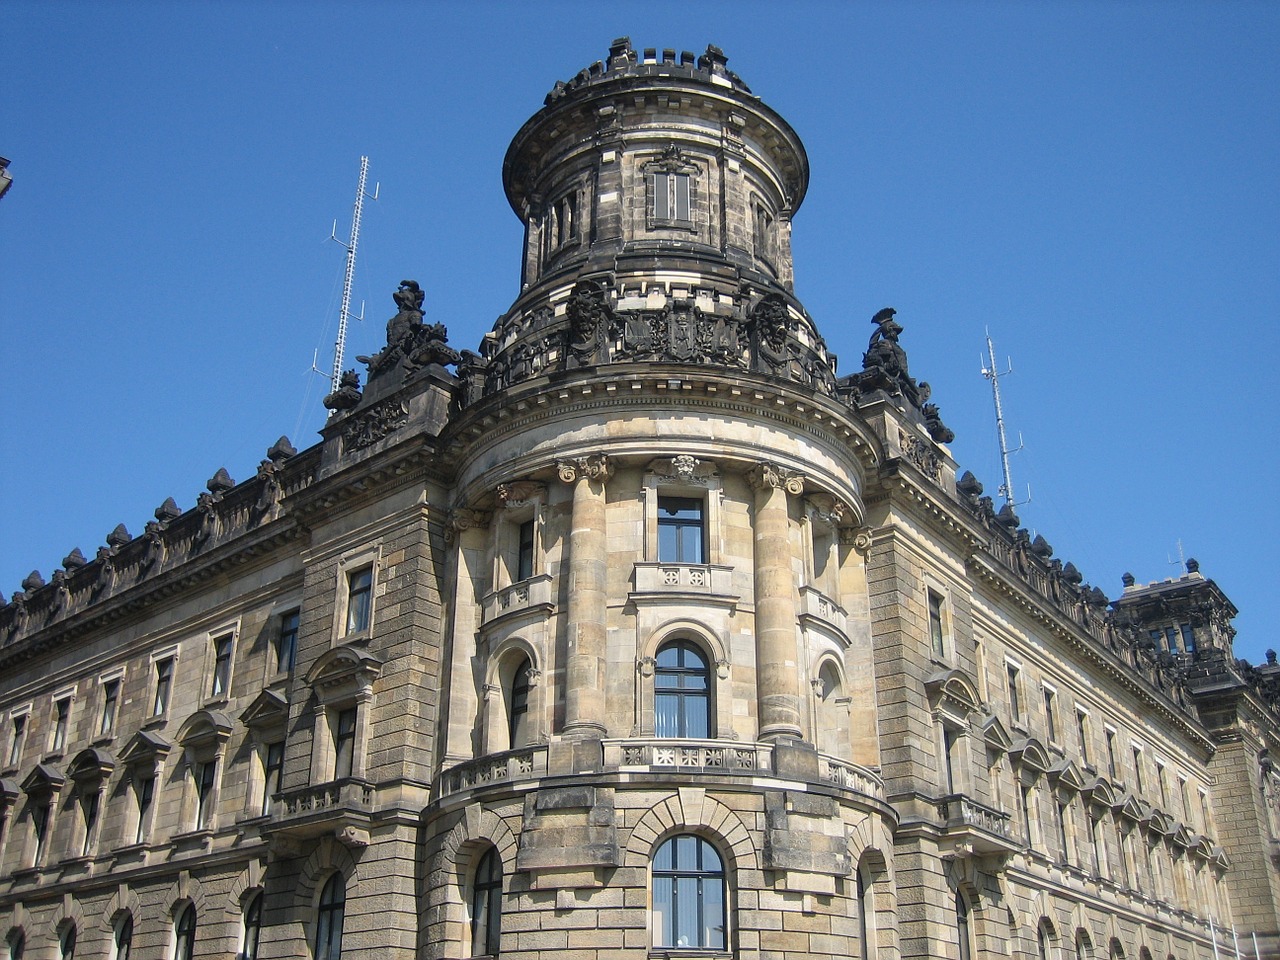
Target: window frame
(683,696)
(700,876)
(1049,695)
(350,565)
(221,668)
(1013,680)
(485,905)
(327,908)
(288,627)
(19,729)
(122,936)
(681,526)
(664,480)
(251,926)
(358,612)
(60,721)
(111,686)
(184,932)
(344,740)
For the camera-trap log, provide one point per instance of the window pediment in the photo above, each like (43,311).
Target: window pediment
(43,780)
(1100,792)
(145,747)
(953,691)
(1066,775)
(268,710)
(9,791)
(343,672)
(996,736)
(1030,754)
(206,727)
(91,764)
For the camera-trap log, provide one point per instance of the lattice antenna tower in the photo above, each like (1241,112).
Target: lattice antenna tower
(991,373)
(344,313)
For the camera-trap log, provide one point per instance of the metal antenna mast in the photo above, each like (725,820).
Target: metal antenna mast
(992,374)
(340,345)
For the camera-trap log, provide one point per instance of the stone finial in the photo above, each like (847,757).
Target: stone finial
(73,561)
(220,482)
(1271,657)
(1041,548)
(1193,565)
(1128,579)
(32,582)
(281,450)
(119,536)
(1097,597)
(1071,575)
(1006,517)
(168,511)
(347,395)
(969,486)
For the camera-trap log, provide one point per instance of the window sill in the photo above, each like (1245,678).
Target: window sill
(104,740)
(218,700)
(156,722)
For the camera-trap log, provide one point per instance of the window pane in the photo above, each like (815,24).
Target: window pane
(681,200)
(164,679)
(688,895)
(287,642)
(681,684)
(344,743)
(661,196)
(524,562)
(359,592)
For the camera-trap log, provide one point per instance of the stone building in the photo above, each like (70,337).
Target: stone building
(640,632)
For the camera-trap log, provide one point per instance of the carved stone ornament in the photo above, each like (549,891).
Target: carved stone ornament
(347,395)
(921,454)
(465,518)
(645,666)
(683,469)
(380,421)
(827,509)
(518,493)
(684,465)
(857,537)
(770,475)
(593,468)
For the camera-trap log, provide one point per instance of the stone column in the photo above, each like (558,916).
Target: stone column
(777,674)
(584,714)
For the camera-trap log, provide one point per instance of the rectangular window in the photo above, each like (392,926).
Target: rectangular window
(1015,702)
(221,667)
(1082,729)
(61,722)
(1050,719)
(1112,767)
(89,809)
(359,597)
(935,625)
(524,558)
(681,530)
(948,758)
(1171,639)
(110,701)
(344,743)
(1096,841)
(1063,812)
(1188,638)
(671,197)
(206,780)
(145,793)
(40,815)
(287,642)
(164,684)
(19,735)
(1137,771)
(1163,783)
(1024,809)
(274,768)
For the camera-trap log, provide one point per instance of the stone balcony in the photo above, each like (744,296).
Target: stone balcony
(677,759)
(527,596)
(341,808)
(703,582)
(815,604)
(970,828)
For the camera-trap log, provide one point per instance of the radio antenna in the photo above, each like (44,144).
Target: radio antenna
(994,375)
(344,313)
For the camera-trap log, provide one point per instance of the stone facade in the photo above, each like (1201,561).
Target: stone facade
(640,632)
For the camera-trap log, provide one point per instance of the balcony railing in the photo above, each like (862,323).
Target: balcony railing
(816,604)
(703,755)
(524,595)
(513,765)
(341,807)
(711,579)
(977,827)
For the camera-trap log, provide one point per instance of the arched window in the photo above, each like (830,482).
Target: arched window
(682,686)
(518,705)
(864,924)
(1084,946)
(184,934)
(123,940)
(833,713)
(486,906)
(67,943)
(252,927)
(333,904)
(688,895)
(17,945)
(1044,939)
(964,936)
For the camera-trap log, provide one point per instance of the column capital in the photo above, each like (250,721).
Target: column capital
(593,467)
(465,518)
(766,476)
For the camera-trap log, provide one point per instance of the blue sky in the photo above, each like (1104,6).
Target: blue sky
(1096,183)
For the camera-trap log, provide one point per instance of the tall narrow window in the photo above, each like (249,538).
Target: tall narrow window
(518,707)
(1063,812)
(123,939)
(964,937)
(67,943)
(1050,716)
(184,934)
(287,642)
(1024,808)
(359,597)
(110,701)
(61,721)
(524,555)
(1163,783)
(144,791)
(1015,701)
(486,906)
(935,625)
(252,927)
(164,684)
(329,917)
(273,768)
(206,781)
(1082,730)
(1112,767)
(680,530)
(948,758)
(1137,771)
(90,802)
(17,945)
(1188,638)
(688,895)
(681,684)
(19,735)
(671,196)
(864,925)
(40,815)
(344,743)
(221,667)
(1097,842)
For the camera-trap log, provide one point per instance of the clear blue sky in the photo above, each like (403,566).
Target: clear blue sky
(1097,183)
